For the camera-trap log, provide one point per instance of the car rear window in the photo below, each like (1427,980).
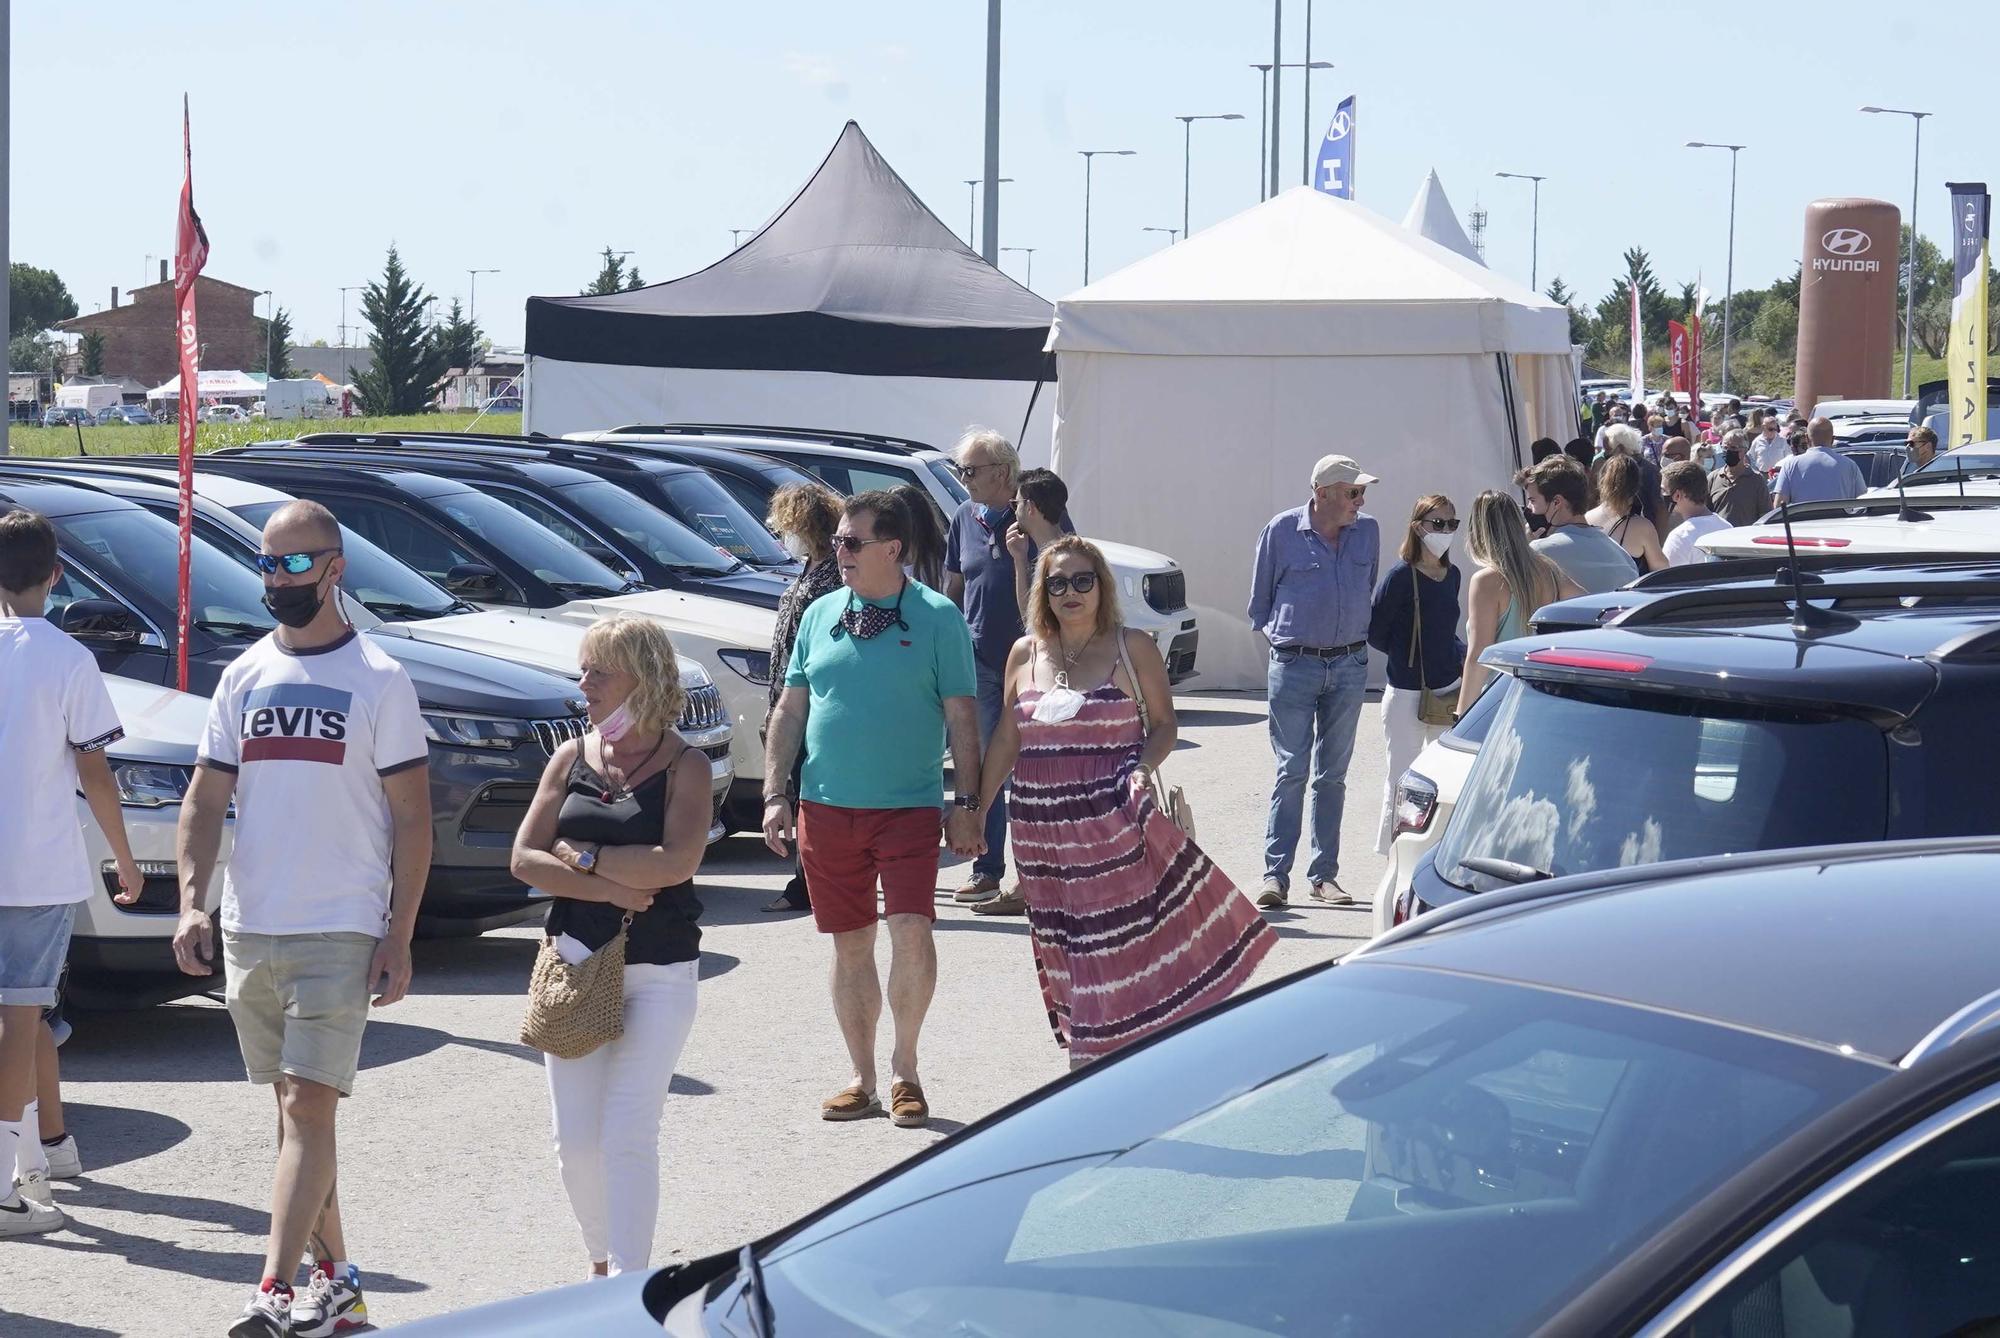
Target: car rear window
(1577,779)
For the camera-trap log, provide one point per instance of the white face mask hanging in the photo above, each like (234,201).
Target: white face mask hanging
(1438,544)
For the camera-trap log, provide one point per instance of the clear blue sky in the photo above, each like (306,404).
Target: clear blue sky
(529,136)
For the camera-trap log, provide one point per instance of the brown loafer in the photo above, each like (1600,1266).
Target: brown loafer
(1007,903)
(907,1107)
(850,1103)
(979,889)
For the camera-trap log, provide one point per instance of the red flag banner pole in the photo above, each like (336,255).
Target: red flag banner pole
(190,254)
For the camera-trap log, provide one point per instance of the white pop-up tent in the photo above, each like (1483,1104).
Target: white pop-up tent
(1197,387)
(1431,216)
(216,385)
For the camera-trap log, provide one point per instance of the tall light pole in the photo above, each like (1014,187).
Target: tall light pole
(270,323)
(1729,274)
(472,301)
(346,339)
(1277,85)
(1088,154)
(1267,150)
(1187,155)
(1173,234)
(1029,281)
(1910,274)
(990,251)
(1306,107)
(972,204)
(1535,240)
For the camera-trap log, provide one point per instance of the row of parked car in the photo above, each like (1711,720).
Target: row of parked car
(1684,1022)
(478,562)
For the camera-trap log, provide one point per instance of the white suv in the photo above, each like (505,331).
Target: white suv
(1151,586)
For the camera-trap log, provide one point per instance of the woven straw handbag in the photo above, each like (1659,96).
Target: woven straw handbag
(572,1010)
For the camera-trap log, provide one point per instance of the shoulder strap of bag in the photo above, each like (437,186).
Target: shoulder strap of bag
(1417,629)
(1132,677)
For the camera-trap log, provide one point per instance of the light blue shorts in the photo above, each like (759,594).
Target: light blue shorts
(34,940)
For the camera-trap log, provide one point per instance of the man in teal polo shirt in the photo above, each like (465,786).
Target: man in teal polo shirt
(881,674)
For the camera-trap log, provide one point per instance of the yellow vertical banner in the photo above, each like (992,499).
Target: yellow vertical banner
(1965,355)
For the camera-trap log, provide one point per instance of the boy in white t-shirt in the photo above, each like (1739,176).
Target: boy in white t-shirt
(315,733)
(57,719)
(1685,487)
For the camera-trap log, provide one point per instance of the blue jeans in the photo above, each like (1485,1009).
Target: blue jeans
(1311,700)
(992,696)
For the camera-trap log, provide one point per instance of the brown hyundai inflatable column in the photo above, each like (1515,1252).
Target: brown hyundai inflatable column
(1847,300)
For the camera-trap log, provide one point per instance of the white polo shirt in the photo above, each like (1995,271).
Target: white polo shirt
(52,706)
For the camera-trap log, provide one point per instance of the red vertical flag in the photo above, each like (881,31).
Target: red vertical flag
(190,254)
(1677,355)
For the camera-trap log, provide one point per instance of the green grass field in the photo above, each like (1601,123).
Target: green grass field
(163,438)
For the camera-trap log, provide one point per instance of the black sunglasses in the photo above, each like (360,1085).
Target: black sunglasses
(1083,583)
(964,472)
(1440,524)
(295,564)
(847,543)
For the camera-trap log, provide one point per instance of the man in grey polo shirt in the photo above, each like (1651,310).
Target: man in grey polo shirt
(1311,592)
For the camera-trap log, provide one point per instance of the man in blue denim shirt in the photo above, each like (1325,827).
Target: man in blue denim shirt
(1311,594)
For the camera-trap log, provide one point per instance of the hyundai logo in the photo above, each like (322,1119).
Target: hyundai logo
(1845,242)
(1340,125)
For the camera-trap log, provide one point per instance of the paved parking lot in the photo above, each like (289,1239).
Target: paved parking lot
(447,1179)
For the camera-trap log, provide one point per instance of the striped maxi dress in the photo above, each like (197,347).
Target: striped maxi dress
(1133,926)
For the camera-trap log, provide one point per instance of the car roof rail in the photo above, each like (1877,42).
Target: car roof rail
(869,441)
(1819,560)
(1979,1015)
(1681,605)
(550,450)
(1979,646)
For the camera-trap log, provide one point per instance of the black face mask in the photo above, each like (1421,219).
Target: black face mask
(294,605)
(1538,524)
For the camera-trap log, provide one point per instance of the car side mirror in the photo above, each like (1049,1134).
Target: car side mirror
(474,581)
(101,620)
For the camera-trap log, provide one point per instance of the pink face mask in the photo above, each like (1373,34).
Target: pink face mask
(616,725)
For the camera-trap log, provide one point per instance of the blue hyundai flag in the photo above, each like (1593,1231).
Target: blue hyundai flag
(1336,154)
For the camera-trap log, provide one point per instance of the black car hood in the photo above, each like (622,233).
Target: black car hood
(761,588)
(448,678)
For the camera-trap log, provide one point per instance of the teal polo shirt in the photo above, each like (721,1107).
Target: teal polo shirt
(876,735)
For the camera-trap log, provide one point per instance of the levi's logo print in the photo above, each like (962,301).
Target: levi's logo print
(296,722)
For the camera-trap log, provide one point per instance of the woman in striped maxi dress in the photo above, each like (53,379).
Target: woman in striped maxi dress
(1133,927)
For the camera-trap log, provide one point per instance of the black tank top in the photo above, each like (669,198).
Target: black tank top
(666,932)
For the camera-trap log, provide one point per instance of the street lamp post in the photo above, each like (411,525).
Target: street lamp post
(736,236)
(1535,237)
(972,206)
(346,339)
(1263,128)
(1267,150)
(1173,234)
(270,323)
(1187,155)
(1028,282)
(472,300)
(1910,273)
(1729,272)
(1088,154)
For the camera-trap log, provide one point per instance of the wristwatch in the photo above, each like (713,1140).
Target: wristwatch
(586,860)
(968,802)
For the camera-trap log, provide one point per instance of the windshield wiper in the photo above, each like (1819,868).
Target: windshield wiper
(753,1293)
(399,611)
(226,627)
(583,589)
(1506,870)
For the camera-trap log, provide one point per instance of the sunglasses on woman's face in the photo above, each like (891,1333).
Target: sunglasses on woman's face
(1440,524)
(1083,583)
(296,564)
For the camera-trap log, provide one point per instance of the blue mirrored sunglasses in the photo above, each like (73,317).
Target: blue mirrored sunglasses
(297,564)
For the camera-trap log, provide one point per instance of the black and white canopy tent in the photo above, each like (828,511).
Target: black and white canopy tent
(853,309)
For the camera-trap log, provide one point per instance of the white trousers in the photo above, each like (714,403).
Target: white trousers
(606,1109)
(1406,736)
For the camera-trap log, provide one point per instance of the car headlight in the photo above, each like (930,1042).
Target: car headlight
(693,674)
(754,665)
(475,731)
(150,784)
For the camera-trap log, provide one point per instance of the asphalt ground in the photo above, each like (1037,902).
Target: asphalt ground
(448,1183)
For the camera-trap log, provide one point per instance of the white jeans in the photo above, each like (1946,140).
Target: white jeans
(606,1108)
(1406,737)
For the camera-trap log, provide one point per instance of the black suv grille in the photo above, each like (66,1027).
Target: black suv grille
(1166,591)
(552,734)
(704,709)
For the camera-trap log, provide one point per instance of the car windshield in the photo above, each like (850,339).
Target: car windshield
(1367,1149)
(138,553)
(1978,464)
(392,590)
(720,518)
(1577,779)
(950,480)
(569,569)
(645,526)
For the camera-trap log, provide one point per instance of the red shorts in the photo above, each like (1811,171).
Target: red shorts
(846,850)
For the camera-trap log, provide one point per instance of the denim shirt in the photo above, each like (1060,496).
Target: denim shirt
(1304,593)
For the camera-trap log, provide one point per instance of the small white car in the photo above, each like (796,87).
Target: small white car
(1425,796)
(123,955)
(1927,518)
(225,413)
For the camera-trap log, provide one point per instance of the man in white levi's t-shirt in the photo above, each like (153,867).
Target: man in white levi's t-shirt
(55,721)
(316,735)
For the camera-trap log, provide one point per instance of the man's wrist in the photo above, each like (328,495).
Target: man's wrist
(771,799)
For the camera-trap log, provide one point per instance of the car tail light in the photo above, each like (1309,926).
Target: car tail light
(1416,802)
(1405,906)
(1807,541)
(1605,660)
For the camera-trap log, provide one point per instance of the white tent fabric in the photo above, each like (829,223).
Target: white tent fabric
(212,385)
(1431,216)
(1197,387)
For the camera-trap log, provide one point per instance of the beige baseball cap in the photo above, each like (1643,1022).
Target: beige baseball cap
(1333,469)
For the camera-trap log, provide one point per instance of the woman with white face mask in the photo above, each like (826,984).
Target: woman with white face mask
(1415,625)
(804,517)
